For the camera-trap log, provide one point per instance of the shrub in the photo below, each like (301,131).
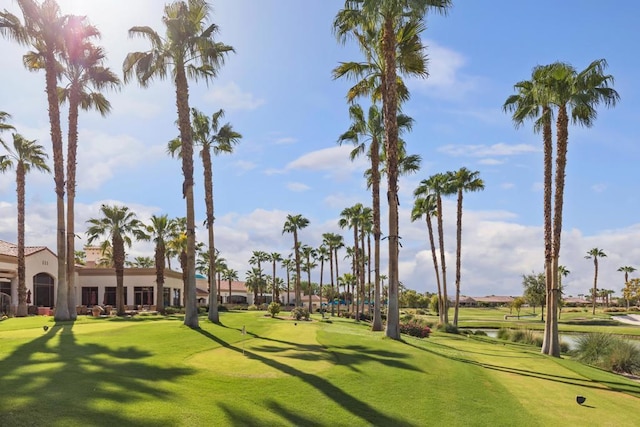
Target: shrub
(449,328)
(171,310)
(415,328)
(421,312)
(252,307)
(591,348)
(263,306)
(480,333)
(504,333)
(623,357)
(273,309)
(300,313)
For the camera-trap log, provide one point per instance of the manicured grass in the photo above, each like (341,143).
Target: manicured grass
(154,371)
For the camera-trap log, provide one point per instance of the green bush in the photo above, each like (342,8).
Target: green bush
(449,328)
(504,333)
(480,333)
(421,312)
(591,348)
(623,357)
(300,313)
(415,328)
(263,307)
(252,307)
(273,309)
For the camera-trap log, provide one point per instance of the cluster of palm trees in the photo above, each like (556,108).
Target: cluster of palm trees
(558,91)
(428,203)
(63,46)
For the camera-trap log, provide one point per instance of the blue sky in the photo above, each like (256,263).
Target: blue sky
(278,92)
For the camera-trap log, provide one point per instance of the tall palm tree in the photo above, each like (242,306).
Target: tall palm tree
(575,95)
(42,30)
(230,275)
(438,184)
(308,253)
(159,230)
(626,270)
(366,227)
(24,156)
(426,205)
(322,255)
(390,18)
(532,101)
(331,241)
(351,218)
(86,76)
(293,224)
(594,254)
(188,50)
(117,224)
(254,282)
(210,136)
(275,258)
(288,264)
(257,258)
(463,180)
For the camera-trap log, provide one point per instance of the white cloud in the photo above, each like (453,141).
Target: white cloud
(231,97)
(101,156)
(244,165)
(599,188)
(286,140)
(297,187)
(446,79)
(507,185)
(491,162)
(334,160)
(481,150)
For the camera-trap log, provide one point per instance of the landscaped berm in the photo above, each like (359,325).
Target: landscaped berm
(150,371)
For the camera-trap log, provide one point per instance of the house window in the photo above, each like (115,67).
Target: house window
(43,290)
(89,295)
(143,295)
(5,287)
(176,297)
(110,295)
(166,294)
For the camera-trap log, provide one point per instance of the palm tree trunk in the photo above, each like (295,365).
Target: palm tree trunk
(435,265)
(118,261)
(458,255)
(548,240)
(72,148)
(22,285)
(595,283)
(213,314)
(445,297)
(561,163)
(62,301)
(184,123)
(333,310)
(297,252)
(390,111)
(159,262)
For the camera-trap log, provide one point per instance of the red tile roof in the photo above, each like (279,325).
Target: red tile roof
(11,249)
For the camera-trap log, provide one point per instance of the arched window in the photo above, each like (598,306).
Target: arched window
(43,290)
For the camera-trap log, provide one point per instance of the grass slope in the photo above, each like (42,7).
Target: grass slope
(151,371)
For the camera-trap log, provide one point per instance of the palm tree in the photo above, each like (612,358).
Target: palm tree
(117,224)
(308,252)
(160,230)
(426,205)
(390,18)
(230,275)
(626,270)
(210,136)
(292,224)
(322,255)
(438,185)
(578,93)
(275,257)
(351,218)
(24,156)
(140,262)
(254,282)
(331,241)
(84,70)
(463,180)
(594,254)
(288,264)
(188,50)
(42,30)
(258,258)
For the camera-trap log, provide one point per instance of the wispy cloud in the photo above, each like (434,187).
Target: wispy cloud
(481,150)
(599,188)
(297,187)
(231,97)
(286,140)
(446,79)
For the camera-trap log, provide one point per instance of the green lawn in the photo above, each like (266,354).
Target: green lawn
(154,371)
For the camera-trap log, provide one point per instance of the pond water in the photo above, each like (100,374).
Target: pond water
(570,339)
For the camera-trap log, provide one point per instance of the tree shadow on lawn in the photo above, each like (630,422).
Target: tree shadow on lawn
(241,418)
(573,380)
(350,403)
(44,381)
